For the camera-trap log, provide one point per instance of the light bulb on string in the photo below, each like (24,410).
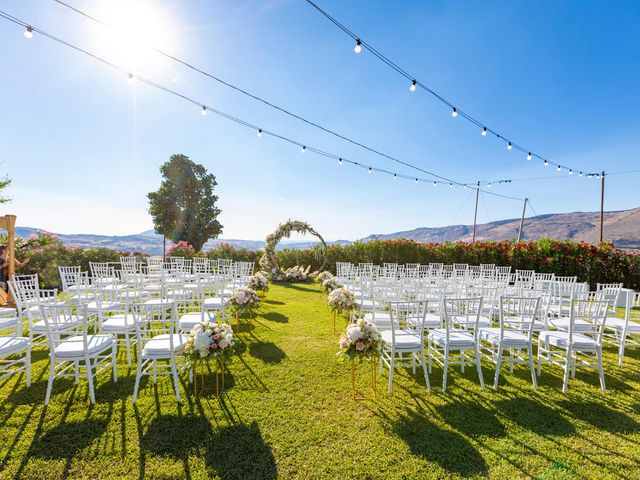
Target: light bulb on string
(303,149)
(28,33)
(529,156)
(489,185)
(395,177)
(558,168)
(358,47)
(484,131)
(370,171)
(259,133)
(339,161)
(416,180)
(580,174)
(546,164)
(454,112)
(451,185)
(204,111)
(435,184)
(412,88)
(130,78)
(509,146)
(570,172)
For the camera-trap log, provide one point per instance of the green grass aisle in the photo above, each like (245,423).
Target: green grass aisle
(287,413)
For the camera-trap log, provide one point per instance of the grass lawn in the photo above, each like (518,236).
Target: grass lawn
(287,412)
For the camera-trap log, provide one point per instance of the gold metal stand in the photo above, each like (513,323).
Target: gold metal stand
(334,322)
(219,378)
(374,386)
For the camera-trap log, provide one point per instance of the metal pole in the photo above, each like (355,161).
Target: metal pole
(602,208)
(475,213)
(524,209)
(164,248)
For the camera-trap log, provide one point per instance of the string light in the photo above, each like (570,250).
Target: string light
(558,168)
(529,156)
(412,88)
(484,131)
(370,171)
(489,185)
(580,174)
(204,111)
(509,146)
(358,47)
(416,180)
(570,172)
(131,77)
(339,161)
(401,71)
(546,164)
(454,112)
(28,33)
(259,133)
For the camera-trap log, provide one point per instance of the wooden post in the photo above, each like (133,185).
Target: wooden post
(602,208)
(524,209)
(475,213)
(11,231)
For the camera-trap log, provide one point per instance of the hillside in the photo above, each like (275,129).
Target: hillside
(622,228)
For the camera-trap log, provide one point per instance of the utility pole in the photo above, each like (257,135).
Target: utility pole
(164,249)
(475,214)
(602,208)
(524,209)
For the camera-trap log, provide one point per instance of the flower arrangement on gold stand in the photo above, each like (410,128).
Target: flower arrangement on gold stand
(244,299)
(361,341)
(340,300)
(206,341)
(259,283)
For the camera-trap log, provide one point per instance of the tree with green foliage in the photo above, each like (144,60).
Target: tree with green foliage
(184,207)
(4,183)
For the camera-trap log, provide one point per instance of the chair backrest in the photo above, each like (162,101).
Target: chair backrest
(148,325)
(408,316)
(461,312)
(519,314)
(593,311)
(70,275)
(25,290)
(504,270)
(610,291)
(201,265)
(64,320)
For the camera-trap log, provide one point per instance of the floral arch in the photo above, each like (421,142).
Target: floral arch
(269,262)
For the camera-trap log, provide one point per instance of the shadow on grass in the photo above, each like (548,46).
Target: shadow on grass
(276,317)
(298,286)
(234,452)
(536,417)
(67,439)
(601,416)
(273,302)
(268,352)
(472,419)
(448,449)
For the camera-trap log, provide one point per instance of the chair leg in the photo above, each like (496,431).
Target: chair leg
(532,366)
(52,373)
(600,369)
(446,368)
(567,369)
(498,362)
(424,369)
(114,354)
(539,357)
(477,354)
(174,374)
(89,368)
(155,374)
(27,360)
(127,344)
(621,349)
(429,354)
(392,367)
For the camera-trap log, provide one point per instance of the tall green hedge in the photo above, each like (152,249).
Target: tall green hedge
(593,264)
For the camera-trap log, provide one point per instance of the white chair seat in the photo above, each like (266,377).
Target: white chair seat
(94,307)
(617,324)
(381,317)
(431,320)
(7,312)
(517,323)
(40,327)
(483,322)
(118,323)
(561,340)
(35,309)
(404,340)
(191,319)
(215,302)
(132,295)
(367,304)
(578,324)
(180,293)
(160,346)
(510,339)
(7,323)
(73,346)
(10,345)
(457,338)
(160,302)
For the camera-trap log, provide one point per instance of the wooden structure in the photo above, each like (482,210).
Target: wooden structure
(8,223)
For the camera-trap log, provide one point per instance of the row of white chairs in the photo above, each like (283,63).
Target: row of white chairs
(85,324)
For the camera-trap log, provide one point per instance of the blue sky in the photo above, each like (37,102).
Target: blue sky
(83,147)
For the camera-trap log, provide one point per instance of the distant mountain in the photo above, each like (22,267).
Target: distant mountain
(621,227)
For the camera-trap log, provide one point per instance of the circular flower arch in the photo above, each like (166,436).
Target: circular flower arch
(269,262)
